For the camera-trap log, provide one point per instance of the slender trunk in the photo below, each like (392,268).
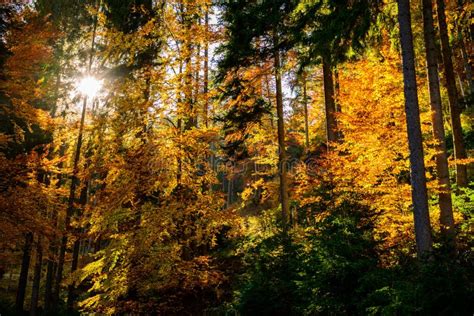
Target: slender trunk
(189,111)
(417,165)
(71,295)
(197,79)
(23,279)
(206,68)
(282,161)
(36,278)
(461,88)
(75,254)
(52,264)
(336,90)
(305,105)
(269,99)
(56,94)
(442,169)
(74,181)
(330,105)
(48,291)
(459,148)
(70,208)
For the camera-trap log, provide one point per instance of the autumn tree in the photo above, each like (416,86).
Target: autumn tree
(327,31)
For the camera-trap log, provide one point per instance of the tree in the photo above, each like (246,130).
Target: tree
(455,109)
(442,168)
(329,102)
(417,164)
(247,25)
(328,30)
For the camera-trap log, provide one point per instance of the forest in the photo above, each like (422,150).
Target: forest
(236,157)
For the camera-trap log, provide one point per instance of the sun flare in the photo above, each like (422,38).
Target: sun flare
(89,86)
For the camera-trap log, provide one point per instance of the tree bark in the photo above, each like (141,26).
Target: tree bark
(48,291)
(36,278)
(337,90)
(206,68)
(305,105)
(189,110)
(282,160)
(71,295)
(329,102)
(269,99)
(442,169)
(417,165)
(459,147)
(23,279)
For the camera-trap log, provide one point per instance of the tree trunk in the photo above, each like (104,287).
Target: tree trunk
(71,295)
(206,68)
(189,110)
(48,291)
(464,53)
(269,99)
(75,252)
(70,208)
(442,169)
(329,103)
(74,180)
(417,165)
(23,279)
(337,90)
(36,279)
(305,105)
(459,148)
(282,161)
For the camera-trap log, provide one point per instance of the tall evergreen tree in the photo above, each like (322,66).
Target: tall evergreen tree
(265,22)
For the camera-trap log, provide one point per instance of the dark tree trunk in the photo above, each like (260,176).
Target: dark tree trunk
(75,252)
(329,102)
(71,295)
(70,208)
(23,279)
(305,105)
(282,160)
(417,165)
(442,169)
(459,148)
(465,55)
(48,291)
(74,181)
(36,278)
(337,90)
(189,110)
(206,68)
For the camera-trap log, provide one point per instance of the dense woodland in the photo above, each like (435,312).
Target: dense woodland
(239,157)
